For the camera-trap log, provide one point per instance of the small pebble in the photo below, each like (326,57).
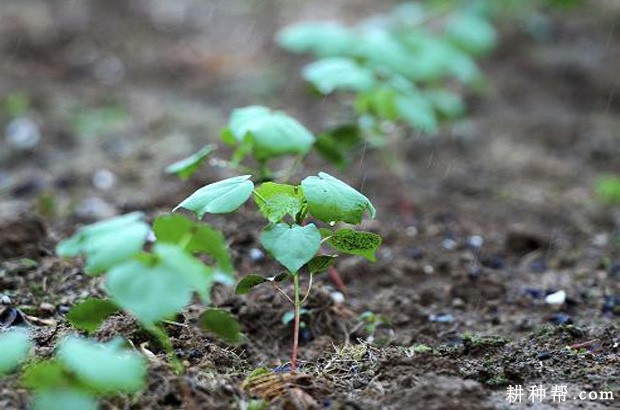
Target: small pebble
(475,241)
(256,255)
(104,179)
(5,300)
(337,297)
(47,307)
(557,298)
(441,318)
(600,240)
(429,270)
(449,244)
(63,309)
(22,133)
(411,231)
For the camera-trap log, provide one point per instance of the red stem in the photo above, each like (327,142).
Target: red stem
(295,339)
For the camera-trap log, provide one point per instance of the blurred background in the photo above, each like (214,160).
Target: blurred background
(98,96)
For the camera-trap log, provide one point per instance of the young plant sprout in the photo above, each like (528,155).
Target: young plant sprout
(152,285)
(291,235)
(260,133)
(80,371)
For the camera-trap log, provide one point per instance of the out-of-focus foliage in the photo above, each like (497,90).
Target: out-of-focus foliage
(608,189)
(409,66)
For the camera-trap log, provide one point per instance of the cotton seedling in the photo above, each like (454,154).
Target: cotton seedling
(291,235)
(408,66)
(152,285)
(262,135)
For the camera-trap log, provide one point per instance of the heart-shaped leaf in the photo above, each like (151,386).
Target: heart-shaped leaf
(322,39)
(272,133)
(107,243)
(220,197)
(356,243)
(292,246)
(337,73)
(90,313)
(331,200)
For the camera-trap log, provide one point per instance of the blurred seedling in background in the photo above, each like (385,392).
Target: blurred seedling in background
(378,328)
(289,236)
(260,135)
(80,371)
(608,189)
(409,67)
(89,122)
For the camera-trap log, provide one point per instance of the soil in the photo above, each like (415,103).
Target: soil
(480,222)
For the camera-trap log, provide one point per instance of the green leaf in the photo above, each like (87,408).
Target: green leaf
(107,243)
(272,133)
(356,243)
(338,73)
(278,200)
(47,375)
(185,168)
(322,39)
(380,102)
(608,189)
(90,313)
(471,32)
(194,237)
(321,263)
(248,282)
(156,291)
(417,111)
(292,246)
(334,145)
(331,200)
(103,367)
(223,324)
(15,345)
(220,197)
(63,400)
(446,103)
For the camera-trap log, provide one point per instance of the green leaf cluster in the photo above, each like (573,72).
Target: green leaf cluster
(83,370)
(289,237)
(399,68)
(153,286)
